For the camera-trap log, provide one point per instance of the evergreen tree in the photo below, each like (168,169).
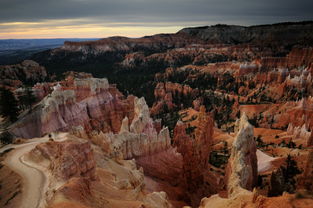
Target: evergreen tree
(27,98)
(6,137)
(8,105)
(284,179)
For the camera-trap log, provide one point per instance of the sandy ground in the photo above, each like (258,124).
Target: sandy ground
(35,181)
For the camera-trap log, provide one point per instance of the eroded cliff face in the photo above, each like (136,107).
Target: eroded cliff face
(140,139)
(307,177)
(164,93)
(242,170)
(89,103)
(193,140)
(68,159)
(135,139)
(298,56)
(82,176)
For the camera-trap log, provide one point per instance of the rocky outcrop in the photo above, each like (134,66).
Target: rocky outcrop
(143,140)
(90,103)
(294,116)
(193,142)
(165,93)
(68,159)
(174,88)
(135,139)
(249,199)
(298,56)
(27,72)
(129,145)
(81,175)
(307,177)
(310,141)
(299,132)
(242,165)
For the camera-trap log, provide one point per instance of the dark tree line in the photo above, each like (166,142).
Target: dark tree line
(8,105)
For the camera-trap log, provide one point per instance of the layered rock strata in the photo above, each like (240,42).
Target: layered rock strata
(90,103)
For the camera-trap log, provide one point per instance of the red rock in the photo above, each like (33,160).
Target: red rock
(91,103)
(195,149)
(307,178)
(69,158)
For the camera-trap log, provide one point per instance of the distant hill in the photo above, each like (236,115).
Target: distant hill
(15,50)
(286,33)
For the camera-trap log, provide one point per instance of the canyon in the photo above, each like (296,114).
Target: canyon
(216,116)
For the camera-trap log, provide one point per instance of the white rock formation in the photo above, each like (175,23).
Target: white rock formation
(242,167)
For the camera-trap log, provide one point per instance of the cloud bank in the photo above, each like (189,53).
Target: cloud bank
(103,17)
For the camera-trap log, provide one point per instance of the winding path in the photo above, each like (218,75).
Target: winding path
(35,181)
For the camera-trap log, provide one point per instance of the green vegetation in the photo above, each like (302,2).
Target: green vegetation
(190,130)
(219,158)
(8,105)
(259,142)
(168,118)
(6,137)
(220,106)
(26,99)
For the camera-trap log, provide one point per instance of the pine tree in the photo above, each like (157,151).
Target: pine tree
(284,179)
(27,98)
(8,105)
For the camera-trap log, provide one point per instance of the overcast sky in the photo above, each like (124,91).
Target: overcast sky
(134,18)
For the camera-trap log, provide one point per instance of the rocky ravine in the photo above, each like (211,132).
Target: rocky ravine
(269,78)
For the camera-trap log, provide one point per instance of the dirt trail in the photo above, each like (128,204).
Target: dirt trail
(35,181)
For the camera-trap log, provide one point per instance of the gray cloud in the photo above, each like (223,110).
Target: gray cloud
(157,12)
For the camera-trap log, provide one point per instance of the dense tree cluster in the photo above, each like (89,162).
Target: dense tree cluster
(8,105)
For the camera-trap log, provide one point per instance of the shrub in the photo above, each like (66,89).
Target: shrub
(6,137)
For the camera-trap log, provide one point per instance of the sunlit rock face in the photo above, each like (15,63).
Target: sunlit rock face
(242,165)
(90,103)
